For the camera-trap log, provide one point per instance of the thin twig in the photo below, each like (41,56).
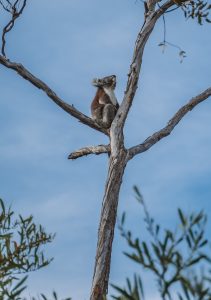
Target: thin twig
(15,12)
(4,6)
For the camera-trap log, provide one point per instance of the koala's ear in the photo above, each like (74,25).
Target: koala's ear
(113,78)
(95,82)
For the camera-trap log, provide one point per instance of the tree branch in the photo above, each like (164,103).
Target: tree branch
(7,6)
(89,150)
(15,10)
(157,136)
(151,18)
(70,109)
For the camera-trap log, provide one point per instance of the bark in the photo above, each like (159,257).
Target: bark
(118,161)
(107,224)
(135,67)
(90,150)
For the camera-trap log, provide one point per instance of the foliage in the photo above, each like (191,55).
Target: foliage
(20,251)
(133,291)
(43,297)
(178,259)
(197,9)
(193,9)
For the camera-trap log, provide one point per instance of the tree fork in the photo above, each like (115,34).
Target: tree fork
(107,225)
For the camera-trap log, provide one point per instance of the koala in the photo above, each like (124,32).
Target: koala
(104,105)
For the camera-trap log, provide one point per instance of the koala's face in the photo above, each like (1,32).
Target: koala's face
(108,82)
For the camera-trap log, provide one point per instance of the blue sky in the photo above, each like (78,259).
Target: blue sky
(66,43)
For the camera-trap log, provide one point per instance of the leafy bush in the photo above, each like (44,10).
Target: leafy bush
(21,241)
(174,257)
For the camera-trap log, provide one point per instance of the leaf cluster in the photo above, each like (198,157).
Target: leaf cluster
(133,291)
(197,9)
(174,257)
(20,250)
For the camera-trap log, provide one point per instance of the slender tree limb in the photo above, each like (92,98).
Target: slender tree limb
(7,6)
(70,109)
(100,149)
(151,18)
(157,136)
(15,10)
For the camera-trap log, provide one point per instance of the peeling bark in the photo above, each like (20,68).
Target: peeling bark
(107,224)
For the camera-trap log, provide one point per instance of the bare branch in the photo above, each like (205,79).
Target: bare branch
(151,18)
(157,136)
(89,150)
(70,109)
(15,10)
(6,7)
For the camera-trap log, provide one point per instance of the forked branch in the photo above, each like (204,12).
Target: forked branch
(151,18)
(15,9)
(6,6)
(157,136)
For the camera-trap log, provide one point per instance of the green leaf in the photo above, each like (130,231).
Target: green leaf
(182,218)
(196,260)
(205,242)
(122,292)
(134,257)
(2,206)
(139,196)
(55,295)
(20,283)
(123,218)
(146,251)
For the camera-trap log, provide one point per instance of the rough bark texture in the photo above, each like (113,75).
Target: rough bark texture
(107,225)
(90,150)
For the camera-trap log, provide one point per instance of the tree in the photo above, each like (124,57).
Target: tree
(21,242)
(119,156)
(179,259)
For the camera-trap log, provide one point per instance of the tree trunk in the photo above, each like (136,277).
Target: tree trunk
(107,224)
